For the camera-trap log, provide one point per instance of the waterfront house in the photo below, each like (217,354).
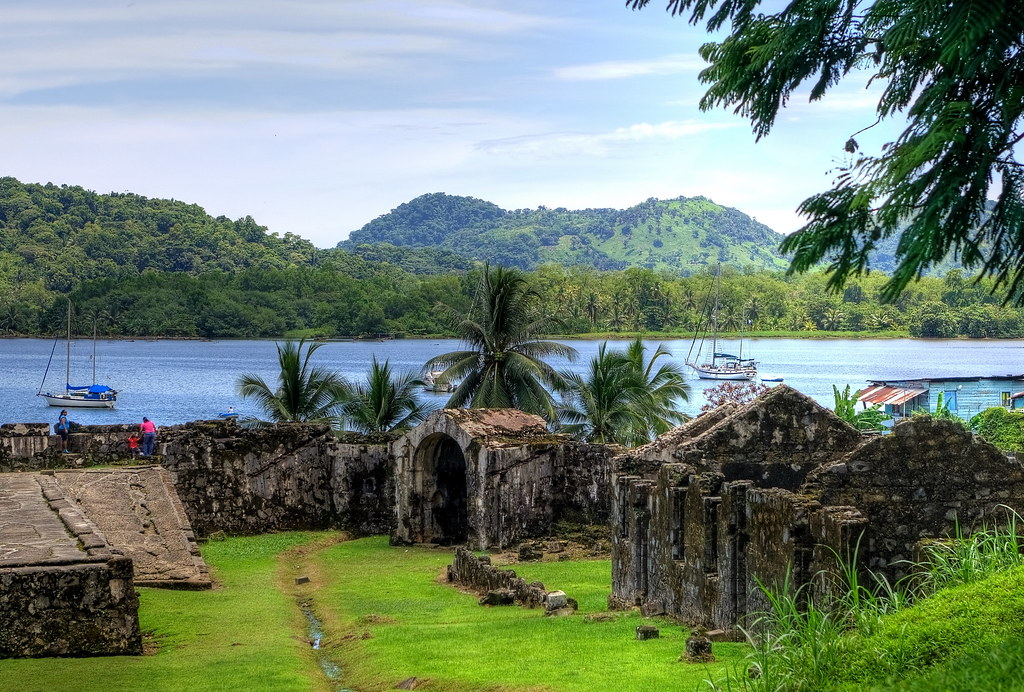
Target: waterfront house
(964,396)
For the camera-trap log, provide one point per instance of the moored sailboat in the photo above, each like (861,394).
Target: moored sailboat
(721,366)
(78,396)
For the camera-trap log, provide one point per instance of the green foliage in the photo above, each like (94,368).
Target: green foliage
(304,392)
(623,398)
(941,411)
(953,69)
(503,366)
(967,559)
(385,402)
(963,606)
(846,408)
(1004,429)
(598,406)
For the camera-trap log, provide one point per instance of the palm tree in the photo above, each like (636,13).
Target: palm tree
(502,366)
(659,387)
(601,407)
(386,401)
(624,398)
(303,392)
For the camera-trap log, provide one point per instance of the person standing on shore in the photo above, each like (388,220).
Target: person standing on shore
(148,429)
(63,427)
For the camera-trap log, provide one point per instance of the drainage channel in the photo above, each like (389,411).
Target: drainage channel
(315,630)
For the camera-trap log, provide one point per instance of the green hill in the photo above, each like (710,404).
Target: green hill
(58,236)
(678,235)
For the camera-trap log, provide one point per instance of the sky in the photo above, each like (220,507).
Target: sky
(316,116)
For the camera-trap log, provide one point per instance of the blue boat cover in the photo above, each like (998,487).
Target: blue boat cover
(93,388)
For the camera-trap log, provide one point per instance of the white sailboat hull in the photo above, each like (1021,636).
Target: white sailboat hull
(711,373)
(71,401)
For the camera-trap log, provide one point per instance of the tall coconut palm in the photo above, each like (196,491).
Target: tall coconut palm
(502,364)
(624,397)
(303,393)
(601,406)
(659,386)
(386,402)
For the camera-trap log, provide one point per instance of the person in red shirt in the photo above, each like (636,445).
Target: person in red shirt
(148,430)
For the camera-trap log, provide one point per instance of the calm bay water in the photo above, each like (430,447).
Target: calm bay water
(179,381)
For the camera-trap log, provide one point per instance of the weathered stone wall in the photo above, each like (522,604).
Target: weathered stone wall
(363,487)
(920,481)
(582,483)
(740,504)
(287,476)
(81,609)
(477,574)
(490,478)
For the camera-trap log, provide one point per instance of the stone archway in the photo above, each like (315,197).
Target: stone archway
(444,505)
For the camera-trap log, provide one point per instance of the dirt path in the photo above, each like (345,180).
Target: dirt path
(299,577)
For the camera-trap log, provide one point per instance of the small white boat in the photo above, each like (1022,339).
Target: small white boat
(431,382)
(78,396)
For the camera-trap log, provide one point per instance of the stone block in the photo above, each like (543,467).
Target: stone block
(644,632)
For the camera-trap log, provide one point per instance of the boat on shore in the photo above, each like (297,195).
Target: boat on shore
(720,366)
(77,396)
(432,383)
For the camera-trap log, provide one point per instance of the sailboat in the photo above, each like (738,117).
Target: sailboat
(721,366)
(78,396)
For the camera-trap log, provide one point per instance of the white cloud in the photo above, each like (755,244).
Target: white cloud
(623,69)
(560,144)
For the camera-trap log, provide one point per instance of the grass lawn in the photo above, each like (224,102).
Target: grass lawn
(241,636)
(386,617)
(398,619)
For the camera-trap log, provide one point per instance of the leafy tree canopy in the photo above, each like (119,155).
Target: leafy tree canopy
(953,68)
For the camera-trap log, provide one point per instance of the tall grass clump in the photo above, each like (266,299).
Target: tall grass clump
(799,643)
(853,632)
(965,559)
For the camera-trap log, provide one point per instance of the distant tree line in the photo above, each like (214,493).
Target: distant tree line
(333,300)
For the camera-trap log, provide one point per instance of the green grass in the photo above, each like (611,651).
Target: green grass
(240,636)
(963,632)
(404,621)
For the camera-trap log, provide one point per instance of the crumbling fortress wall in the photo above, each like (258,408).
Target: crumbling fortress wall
(482,477)
(489,478)
(777,489)
(238,480)
(743,495)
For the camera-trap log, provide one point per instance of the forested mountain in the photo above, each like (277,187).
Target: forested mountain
(679,235)
(134,266)
(61,235)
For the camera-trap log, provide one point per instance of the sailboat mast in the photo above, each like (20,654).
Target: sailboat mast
(94,351)
(714,317)
(67,361)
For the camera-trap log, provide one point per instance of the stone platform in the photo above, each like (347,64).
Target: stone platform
(139,513)
(63,590)
(73,546)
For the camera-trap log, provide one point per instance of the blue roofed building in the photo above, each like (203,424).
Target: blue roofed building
(964,396)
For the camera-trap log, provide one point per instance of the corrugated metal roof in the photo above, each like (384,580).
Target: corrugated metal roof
(891,396)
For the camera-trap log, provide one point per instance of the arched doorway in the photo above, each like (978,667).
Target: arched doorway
(445,512)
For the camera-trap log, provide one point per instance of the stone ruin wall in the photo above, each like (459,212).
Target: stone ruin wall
(64,591)
(520,479)
(478,574)
(87,608)
(692,538)
(920,482)
(299,476)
